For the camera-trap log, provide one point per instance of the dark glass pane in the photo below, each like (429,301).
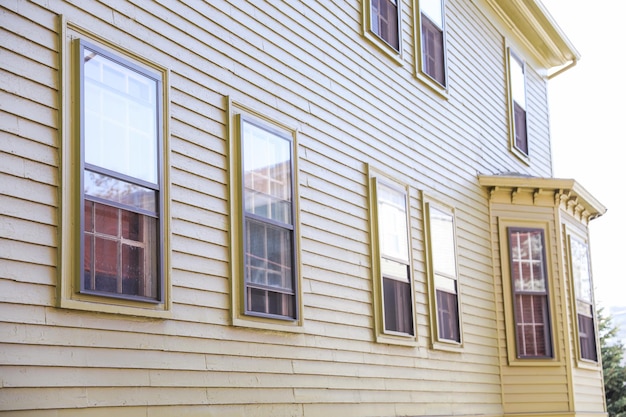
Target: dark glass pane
(448,315)
(587,334)
(531,313)
(106,264)
(88,261)
(397,305)
(432,51)
(132,269)
(385,21)
(270,302)
(132,225)
(106,220)
(88,221)
(521,137)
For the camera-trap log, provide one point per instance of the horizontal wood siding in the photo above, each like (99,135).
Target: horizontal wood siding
(306,66)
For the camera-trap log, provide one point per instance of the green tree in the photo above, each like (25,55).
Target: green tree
(612,351)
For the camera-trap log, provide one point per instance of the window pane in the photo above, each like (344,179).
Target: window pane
(392,223)
(531,312)
(120,252)
(521,135)
(270,302)
(433,62)
(518,83)
(267,173)
(120,114)
(448,316)
(433,9)
(398,306)
(581,270)
(587,333)
(442,242)
(444,283)
(268,255)
(527,260)
(394,270)
(385,21)
(108,188)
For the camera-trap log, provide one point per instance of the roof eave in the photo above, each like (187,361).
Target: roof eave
(537,29)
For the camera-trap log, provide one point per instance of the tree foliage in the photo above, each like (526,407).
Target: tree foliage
(612,351)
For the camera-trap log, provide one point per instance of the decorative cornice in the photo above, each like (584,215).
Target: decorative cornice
(566,194)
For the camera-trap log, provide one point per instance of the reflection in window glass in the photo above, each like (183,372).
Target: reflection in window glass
(443,255)
(393,223)
(528,273)
(120,118)
(581,271)
(269,230)
(120,196)
(432,9)
(394,262)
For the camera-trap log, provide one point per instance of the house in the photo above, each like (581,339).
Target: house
(289,208)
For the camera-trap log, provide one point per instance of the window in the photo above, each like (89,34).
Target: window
(264,238)
(443,272)
(517,93)
(119,198)
(530,292)
(432,41)
(381,26)
(268,221)
(392,271)
(385,21)
(583,289)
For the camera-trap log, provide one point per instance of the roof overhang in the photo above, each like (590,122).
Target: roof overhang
(539,32)
(567,192)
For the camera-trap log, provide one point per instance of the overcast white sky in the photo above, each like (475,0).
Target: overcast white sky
(588,138)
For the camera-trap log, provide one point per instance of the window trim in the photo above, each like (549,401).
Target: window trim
(239,315)
(511,55)
(375,39)
(438,342)
(508,296)
(69,291)
(420,73)
(572,234)
(381,334)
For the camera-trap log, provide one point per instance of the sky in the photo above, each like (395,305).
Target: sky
(586,111)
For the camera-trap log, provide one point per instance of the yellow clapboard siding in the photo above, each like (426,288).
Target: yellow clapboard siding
(306,66)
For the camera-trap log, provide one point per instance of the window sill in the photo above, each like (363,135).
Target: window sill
(384,47)
(519,154)
(114,306)
(432,85)
(263,323)
(447,346)
(535,362)
(588,364)
(400,340)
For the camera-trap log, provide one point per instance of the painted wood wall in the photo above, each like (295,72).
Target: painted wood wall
(307,65)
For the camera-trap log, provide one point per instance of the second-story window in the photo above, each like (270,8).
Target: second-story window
(530,292)
(385,21)
(517,96)
(432,40)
